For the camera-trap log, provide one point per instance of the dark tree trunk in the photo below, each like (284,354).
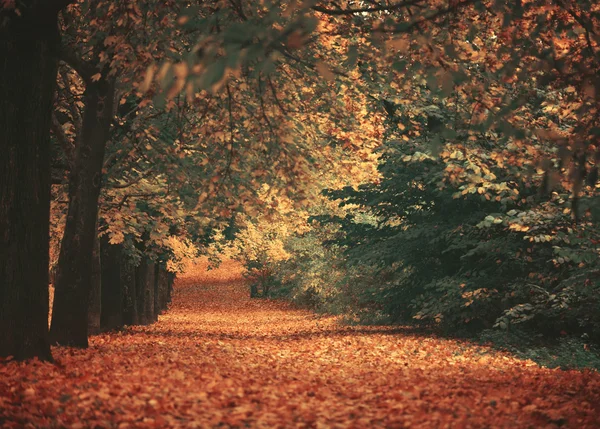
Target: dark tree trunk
(140,286)
(149,298)
(112,290)
(156,306)
(28,65)
(170,287)
(69,320)
(163,288)
(95,306)
(144,285)
(130,315)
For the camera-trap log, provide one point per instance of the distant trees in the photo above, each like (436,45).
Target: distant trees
(102,75)
(130,294)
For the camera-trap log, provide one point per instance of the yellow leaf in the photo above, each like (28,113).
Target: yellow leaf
(96,77)
(116,238)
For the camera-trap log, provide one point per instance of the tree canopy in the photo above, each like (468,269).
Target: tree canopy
(430,162)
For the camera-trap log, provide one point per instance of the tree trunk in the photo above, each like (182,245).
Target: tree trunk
(149,298)
(163,288)
(140,282)
(157,290)
(170,289)
(128,280)
(144,283)
(112,291)
(28,65)
(95,306)
(141,278)
(69,320)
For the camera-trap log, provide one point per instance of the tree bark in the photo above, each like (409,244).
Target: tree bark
(95,306)
(28,65)
(69,321)
(149,298)
(144,284)
(128,280)
(170,287)
(140,287)
(162,282)
(112,290)
(156,304)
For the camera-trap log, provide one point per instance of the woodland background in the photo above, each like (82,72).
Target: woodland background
(430,163)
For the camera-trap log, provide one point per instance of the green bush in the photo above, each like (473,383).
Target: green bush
(411,250)
(460,237)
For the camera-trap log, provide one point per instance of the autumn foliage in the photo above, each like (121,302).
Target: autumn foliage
(364,182)
(219,358)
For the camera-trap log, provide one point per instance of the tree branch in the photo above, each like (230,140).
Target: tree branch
(410,26)
(274,92)
(83,68)
(308,64)
(380,8)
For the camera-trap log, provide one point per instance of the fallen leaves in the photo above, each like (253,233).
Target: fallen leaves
(218,358)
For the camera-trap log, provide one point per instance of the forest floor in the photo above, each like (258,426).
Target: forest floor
(219,359)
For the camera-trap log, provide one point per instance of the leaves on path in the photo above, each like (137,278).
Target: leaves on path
(219,359)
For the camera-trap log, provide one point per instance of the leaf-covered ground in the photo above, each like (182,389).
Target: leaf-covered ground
(219,359)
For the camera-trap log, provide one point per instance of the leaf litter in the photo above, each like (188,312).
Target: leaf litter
(219,359)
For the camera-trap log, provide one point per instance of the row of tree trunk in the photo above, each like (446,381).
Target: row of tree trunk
(122,293)
(30,47)
(74,272)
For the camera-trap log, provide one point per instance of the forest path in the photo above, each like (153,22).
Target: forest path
(219,359)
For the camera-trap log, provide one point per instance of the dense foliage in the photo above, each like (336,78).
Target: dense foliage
(175,125)
(430,165)
(484,215)
(409,252)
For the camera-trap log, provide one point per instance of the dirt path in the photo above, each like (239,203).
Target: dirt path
(219,359)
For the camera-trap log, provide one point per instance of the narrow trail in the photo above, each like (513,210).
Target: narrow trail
(219,359)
